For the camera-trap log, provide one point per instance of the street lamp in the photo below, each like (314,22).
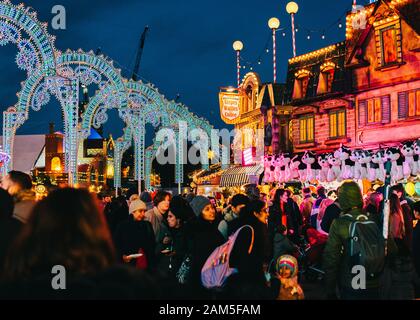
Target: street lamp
(238,46)
(274,24)
(292,8)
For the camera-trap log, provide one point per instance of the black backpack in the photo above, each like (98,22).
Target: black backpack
(366,245)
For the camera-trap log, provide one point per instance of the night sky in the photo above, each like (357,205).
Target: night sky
(188,48)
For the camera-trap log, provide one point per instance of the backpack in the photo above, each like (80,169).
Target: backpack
(366,245)
(216,269)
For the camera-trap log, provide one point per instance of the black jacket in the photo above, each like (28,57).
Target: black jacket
(203,238)
(9,229)
(132,235)
(294,220)
(332,212)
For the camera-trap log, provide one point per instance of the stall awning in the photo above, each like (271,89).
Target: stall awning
(238,176)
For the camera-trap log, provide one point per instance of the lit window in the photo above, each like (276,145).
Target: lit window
(388,46)
(56,164)
(388,41)
(306,127)
(337,123)
(374,111)
(301,84)
(326,77)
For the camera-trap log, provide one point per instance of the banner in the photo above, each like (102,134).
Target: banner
(230,106)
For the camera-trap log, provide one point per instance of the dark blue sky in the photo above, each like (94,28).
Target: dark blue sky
(188,49)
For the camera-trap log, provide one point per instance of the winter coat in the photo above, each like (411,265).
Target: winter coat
(294,220)
(168,264)
(336,257)
(416,247)
(306,208)
(203,237)
(24,203)
(332,212)
(9,229)
(158,223)
(408,223)
(132,235)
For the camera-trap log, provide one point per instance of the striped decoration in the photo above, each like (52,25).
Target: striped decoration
(238,176)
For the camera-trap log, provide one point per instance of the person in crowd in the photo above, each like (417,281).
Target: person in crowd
(287,271)
(147,199)
(373,207)
(321,212)
(332,212)
(251,255)
(284,215)
(157,215)
(336,258)
(172,249)
(135,236)
(132,198)
(9,227)
(74,236)
(399,275)
(407,214)
(332,194)
(116,212)
(231,213)
(203,238)
(81,240)
(190,196)
(315,209)
(306,205)
(19,185)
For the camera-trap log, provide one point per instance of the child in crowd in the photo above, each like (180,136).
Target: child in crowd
(287,270)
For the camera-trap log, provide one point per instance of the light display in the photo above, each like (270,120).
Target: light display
(52,72)
(19,25)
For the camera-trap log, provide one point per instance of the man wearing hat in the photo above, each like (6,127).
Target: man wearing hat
(336,258)
(135,235)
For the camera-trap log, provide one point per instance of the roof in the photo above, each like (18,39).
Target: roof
(312,62)
(26,151)
(273,94)
(239,176)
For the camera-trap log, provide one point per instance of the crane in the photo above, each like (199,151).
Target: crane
(139,53)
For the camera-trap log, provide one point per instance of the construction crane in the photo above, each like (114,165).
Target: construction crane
(139,53)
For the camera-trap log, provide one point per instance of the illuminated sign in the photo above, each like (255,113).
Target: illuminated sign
(230,106)
(248,156)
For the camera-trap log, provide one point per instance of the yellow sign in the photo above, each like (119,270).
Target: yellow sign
(230,106)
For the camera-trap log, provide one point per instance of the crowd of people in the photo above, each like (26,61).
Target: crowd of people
(156,245)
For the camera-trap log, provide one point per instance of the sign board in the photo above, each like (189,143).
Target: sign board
(230,106)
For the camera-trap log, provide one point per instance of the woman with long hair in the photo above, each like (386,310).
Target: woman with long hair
(396,223)
(67,229)
(373,206)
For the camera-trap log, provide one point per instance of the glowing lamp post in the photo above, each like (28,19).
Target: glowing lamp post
(274,24)
(238,46)
(292,8)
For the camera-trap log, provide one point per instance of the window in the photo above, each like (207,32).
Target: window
(301,84)
(388,41)
(408,104)
(337,123)
(326,77)
(388,46)
(56,164)
(306,127)
(374,111)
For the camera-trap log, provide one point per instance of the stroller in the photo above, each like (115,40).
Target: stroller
(310,254)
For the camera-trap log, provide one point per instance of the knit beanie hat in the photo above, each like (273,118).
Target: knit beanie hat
(198,204)
(145,197)
(287,261)
(350,196)
(137,205)
(181,209)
